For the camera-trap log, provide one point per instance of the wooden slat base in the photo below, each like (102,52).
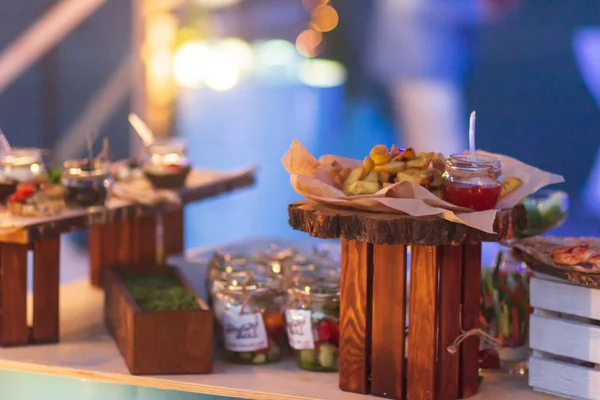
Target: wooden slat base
(46,281)
(444,289)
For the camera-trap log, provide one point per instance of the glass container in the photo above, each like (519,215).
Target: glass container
(20,165)
(253,325)
(505,309)
(87,183)
(312,319)
(472,183)
(166,165)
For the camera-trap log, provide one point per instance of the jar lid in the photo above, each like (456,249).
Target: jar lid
(481,164)
(276,258)
(248,282)
(24,156)
(316,289)
(86,169)
(221,260)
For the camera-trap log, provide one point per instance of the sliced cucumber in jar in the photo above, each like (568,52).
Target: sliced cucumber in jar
(327,355)
(307,357)
(259,359)
(246,356)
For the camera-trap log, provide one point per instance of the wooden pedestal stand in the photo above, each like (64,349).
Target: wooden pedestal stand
(125,234)
(443,294)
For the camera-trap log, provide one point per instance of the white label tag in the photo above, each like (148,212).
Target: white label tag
(299,329)
(244,332)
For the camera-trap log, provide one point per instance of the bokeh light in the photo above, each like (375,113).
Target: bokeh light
(277,52)
(214,4)
(308,43)
(322,73)
(221,73)
(190,63)
(324,18)
(238,51)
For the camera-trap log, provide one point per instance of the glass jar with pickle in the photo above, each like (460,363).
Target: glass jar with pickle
(312,318)
(253,325)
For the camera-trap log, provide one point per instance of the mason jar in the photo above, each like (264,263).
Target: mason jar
(253,325)
(472,183)
(312,320)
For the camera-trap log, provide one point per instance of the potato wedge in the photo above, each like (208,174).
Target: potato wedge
(340,177)
(368,165)
(413,171)
(363,187)
(354,176)
(384,177)
(394,151)
(509,185)
(386,184)
(408,154)
(405,177)
(439,162)
(436,180)
(392,167)
(380,154)
(371,177)
(422,160)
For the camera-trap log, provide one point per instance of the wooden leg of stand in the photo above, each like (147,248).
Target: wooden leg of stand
(13,293)
(449,328)
(173,232)
(357,273)
(144,240)
(46,280)
(422,325)
(389,320)
(124,231)
(471,307)
(103,244)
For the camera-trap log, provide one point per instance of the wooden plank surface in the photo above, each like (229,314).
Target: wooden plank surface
(46,279)
(388,321)
(325,222)
(449,321)
(104,245)
(422,334)
(471,308)
(564,379)
(216,183)
(144,240)
(355,318)
(13,293)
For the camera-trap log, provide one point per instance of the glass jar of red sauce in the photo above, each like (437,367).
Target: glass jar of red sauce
(472,183)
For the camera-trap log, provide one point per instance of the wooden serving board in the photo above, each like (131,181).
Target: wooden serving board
(326,222)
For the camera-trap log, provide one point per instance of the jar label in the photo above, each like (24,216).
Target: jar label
(299,329)
(244,332)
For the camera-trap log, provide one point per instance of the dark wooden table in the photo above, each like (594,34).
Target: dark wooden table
(444,293)
(128,234)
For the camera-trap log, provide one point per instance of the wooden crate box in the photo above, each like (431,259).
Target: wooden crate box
(565,338)
(157,342)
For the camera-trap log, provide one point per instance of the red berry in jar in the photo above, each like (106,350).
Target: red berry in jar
(329,331)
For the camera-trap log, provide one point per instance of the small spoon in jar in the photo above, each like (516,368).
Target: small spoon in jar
(4,145)
(142,129)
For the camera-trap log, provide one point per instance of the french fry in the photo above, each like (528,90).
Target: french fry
(405,177)
(340,177)
(436,180)
(439,162)
(408,154)
(394,151)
